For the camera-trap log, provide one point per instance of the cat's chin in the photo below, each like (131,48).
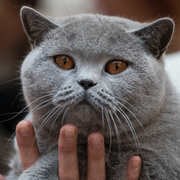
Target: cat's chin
(81,113)
(84,107)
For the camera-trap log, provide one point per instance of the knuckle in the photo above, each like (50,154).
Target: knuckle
(97,156)
(68,178)
(27,163)
(69,148)
(97,178)
(28,144)
(26,166)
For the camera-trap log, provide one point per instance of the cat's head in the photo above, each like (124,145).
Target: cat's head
(93,67)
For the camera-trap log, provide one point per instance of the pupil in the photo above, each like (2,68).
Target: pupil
(116,66)
(64,60)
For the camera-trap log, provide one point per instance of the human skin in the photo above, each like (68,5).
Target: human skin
(68,161)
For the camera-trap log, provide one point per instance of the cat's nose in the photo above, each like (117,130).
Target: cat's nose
(86,83)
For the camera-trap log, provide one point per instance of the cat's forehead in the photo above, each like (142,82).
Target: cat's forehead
(98,22)
(93,34)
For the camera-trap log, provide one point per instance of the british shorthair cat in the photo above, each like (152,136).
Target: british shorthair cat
(102,74)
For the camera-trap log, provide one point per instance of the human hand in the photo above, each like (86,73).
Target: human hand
(67,147)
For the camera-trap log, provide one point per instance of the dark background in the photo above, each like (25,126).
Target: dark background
(13,47)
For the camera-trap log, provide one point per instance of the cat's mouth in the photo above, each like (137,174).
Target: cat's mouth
(84,99)
(85,102)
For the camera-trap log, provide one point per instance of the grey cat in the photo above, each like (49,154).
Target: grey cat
(102,74)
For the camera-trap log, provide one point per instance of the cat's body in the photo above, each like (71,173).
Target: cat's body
(138,105)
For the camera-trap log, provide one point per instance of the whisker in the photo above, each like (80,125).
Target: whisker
(10,139)
(62,108)
(102,118)
(37,107)
(24,108)
(122,125)
(117,131)
(130,126)
(5,114)
(15,99)
(127,103)
(48,103)
(132,114)
(54,122)
(12,136)
(65,7)
(10,81)
(51,113)
(43,123)
(64,115)
(109,125)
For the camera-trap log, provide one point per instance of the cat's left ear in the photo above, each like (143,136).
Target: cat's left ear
(156,36)
(35,25)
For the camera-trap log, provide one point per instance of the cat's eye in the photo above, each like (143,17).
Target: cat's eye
(116,66)
(64,62)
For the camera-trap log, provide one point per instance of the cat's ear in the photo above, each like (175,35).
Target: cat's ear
(156,36)
(35,25)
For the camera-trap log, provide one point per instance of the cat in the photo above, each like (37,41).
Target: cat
(102,74)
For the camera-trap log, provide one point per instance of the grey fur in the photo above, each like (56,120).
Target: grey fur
(141,99)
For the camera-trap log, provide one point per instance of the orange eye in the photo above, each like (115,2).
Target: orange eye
(64,62)
(116,67)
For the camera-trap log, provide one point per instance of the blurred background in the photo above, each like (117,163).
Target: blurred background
(14,45)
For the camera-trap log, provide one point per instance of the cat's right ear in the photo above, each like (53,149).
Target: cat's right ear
(35,25)
(156,36)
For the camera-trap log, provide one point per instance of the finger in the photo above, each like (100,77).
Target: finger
(26,140)
(67,145)
(2,177)
(96,157)
(134,168)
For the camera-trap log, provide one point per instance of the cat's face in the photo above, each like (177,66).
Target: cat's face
(89,67)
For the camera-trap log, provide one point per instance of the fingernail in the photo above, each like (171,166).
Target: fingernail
(25,130)
(69,135)
(96,143)
(135,165)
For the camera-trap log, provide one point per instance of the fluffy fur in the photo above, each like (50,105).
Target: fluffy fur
(137,110)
